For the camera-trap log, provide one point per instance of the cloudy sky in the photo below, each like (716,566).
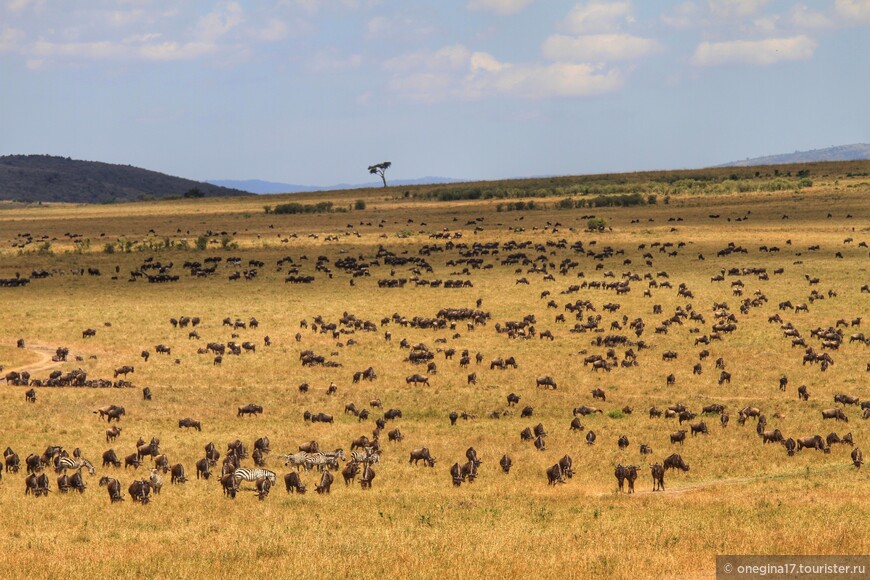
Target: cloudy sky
(314,91)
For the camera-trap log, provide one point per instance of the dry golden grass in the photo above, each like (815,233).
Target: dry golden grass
(739,497)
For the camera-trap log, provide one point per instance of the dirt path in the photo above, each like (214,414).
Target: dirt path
(44,363)
(731,481)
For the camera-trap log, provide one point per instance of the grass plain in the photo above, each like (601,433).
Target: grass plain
(739,497)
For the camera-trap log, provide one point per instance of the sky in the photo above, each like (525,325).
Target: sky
(312,92)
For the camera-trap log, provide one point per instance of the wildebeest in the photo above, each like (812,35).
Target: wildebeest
(554,475)
(505,463)
(250,409)
(146,394)
(802,393)
(576,425)
(11,460)
(294,484)
(177,471)
(132,459)
(527,411)
(675,461)
(545,381)
(110,458)
(112,433)
(140,490)
(113,486)
(110,410)
(584,410)
(187,422)
(678,436)
(513,399)
(599,394)
(124,370)
(422,453)
(622,442)
(699,428)
(857,457)
(325,483)
(836,414)
(774,436)
(846,399)
(30,396)
(790,446)
(658,476)
(590,438)
(368,475)
(812,442)
(203,468)
(395,435)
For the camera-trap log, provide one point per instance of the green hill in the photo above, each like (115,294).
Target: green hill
(49,178)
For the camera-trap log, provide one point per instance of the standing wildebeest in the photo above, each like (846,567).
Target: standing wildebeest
(813,442)
(567,466)
(724,377)
(453,416)
(203,468)
(368,475)
(835,414)
(599,394)
(576,425)
(124,370)
(505,463)
(620,473)
(177,474)
(674,461)
(654,412)
(30,396)
(678,436)
(590,438)
(132,459)
(857,457)
(114,488)
(325,483)
(11,460)
(622,443)
(554,475)
(293,483)
(456,474)
(846,399)
(802,393)
(112,433)
(513,399)
(789,446)
(250,409)
(422,453)
(187,422)
(146,394)
(546,381)
(658,476)
(139,490)
(527,411)
(699,428)
(109,458)
(395,435)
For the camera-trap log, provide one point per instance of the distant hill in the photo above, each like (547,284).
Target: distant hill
(267,187)
(49,178)
(854,152)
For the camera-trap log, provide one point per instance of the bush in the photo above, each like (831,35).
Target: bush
(566,203)
(227,243)
(616,414)
(359,204)
(652,199)
(596,224)
(202,242)
(295,207)
(109,248)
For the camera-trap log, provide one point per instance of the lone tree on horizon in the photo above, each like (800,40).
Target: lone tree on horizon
(380,169)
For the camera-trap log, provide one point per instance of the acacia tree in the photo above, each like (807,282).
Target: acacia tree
(380,169)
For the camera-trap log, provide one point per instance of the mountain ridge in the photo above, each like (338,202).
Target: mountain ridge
(853,152)
(262,187)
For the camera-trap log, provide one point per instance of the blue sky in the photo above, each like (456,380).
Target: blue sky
(314,91)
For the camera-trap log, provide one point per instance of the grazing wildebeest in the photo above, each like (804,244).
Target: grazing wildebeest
(177,471)
(349,472)
(599,394)
(112,433)
(622,442)
(836,414)
(678,436)
(294,484)
(525,434)
(228,484)
(802,393)
(110,458)
(250,409)
(846,399)
(527,411)
(857,457)
(658,476)
(187,422)
(30,396)
(203,468)
(540,444)
(813,442)
(325,483)
(422,453)
(554,475)
(567,466)
(139,490)
(790,446)
(774,436)
(654,412)
(505,463)
(132,459)
(11,460)
(395,435)
(724,377)
(675,461)
(513,399)
(453,416)
(590,438)
(576,425)
(113,486)
(545,381)
(368,475)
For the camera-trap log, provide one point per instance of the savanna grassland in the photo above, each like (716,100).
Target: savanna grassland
(739,496)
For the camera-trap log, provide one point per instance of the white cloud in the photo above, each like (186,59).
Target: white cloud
(685,15)
(498,6)
(19,5)
(10,39)
(398,27)
(597,16)
(754,52)
(853,10)
(739,8)
(224,18)
(454,72)
(803,17)
(598,47)
(274,30)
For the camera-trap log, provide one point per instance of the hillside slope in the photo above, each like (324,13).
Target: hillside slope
(49,178)
(852,152)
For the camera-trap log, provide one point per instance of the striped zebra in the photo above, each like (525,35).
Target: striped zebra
(296,459)
(321,461)
(65,463)
(246,474)
(364,457)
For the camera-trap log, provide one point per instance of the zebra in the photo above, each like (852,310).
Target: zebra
(297,459)
(364,457)
(321,460)
(65,463)
(246,474)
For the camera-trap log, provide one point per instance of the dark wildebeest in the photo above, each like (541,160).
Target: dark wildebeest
(527,411)
(622,443)
(789,446)
(132,459)
(774,436)
(392,414)
(325,483)
(124,370)
(525,435)
(109,458)
(453,416)
(567,466)
(836,414)
(678,436)
(113,486)
(11,460)
(724,377)
(395,435)
(802,393)
(350,472)
(177,471)
(658,476)
(422,453)
(546,381)
(576,425)
(599,394)
(203,468)
(857,457)
(674,461)
(310,447)
(456,474)
(590,438)
(699,428)
(654,412)
(228,484)
(293,483)
(846,399)
(112,433)
(189,423)
(250,409)
(30,396)
(620,473)
(146,394)
(505,463)
(631,476)
(368,475)
(554,475)
(723,419)
(139,490)
(513,399)
(540,444)
(584,410)
(813,442)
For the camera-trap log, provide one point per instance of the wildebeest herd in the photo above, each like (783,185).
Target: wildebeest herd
(608,339)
